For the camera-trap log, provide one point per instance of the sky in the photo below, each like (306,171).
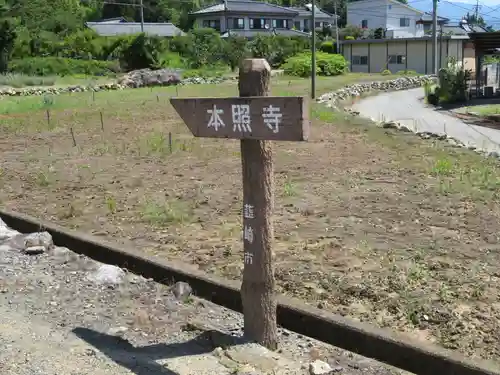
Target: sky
(455,10)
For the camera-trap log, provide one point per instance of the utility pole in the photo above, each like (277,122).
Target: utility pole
(142,16)
(313,51)
(476,14)
(337,40)
(434,37)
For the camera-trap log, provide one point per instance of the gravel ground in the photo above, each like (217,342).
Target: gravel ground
(62,313)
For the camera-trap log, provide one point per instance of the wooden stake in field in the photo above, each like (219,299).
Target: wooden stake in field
(255,119)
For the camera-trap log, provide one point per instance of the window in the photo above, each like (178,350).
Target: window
(306,25)
(296,25)
(318,25)
(404,22)
(214,24)
(360,60)
(364,24)
(280,24)
(397,59)
(257,23)
(236,23)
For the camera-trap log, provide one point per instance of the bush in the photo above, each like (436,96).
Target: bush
(349,37)
(171,60)
(236,49)
(328,46)
(50,66)
(326,64)
(386,72)
(143,52)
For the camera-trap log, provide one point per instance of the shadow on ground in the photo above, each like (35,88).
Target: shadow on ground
(142,360)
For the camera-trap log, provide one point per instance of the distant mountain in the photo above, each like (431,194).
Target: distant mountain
(456,10)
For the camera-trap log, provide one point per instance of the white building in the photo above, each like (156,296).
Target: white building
(396,19)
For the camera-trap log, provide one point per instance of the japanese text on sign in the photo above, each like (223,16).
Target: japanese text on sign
(248,211)
(240,114)
(248,258)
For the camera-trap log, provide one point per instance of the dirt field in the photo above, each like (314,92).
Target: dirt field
(378,226)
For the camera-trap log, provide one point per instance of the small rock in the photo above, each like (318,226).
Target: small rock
(319,368)
(39,239)
(34,250)
(181,290)
(117,331)
(108,274)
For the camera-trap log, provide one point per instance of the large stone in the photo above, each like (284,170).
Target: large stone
(107,274)
(319,368)
(181,290)
(6,232)
(148,77)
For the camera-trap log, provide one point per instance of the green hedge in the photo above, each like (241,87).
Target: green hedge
(50,66)
(326,64)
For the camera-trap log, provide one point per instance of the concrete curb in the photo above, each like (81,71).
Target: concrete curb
(292,314)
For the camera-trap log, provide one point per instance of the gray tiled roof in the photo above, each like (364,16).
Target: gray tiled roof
(304,12)
(254,33)
(111,29)
(247,6)
(427,17)
(455,30)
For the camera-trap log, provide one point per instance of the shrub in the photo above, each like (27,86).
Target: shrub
(277,49)
(235,50)
(328,46)
(326,64)
(386,72)
(171,60)
(51,66)
(143,52)
(348,37)
(452,85)
(205,47)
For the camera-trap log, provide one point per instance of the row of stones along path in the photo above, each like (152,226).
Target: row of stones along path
(63,313)
(409,109)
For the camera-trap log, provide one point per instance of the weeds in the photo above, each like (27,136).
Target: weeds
(111,204)
(289,188)
(165,213)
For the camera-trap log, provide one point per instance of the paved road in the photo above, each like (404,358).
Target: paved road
(408,108)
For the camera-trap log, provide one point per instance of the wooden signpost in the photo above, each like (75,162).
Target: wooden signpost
(255,119)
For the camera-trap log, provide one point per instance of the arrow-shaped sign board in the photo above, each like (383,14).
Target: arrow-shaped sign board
(260,118)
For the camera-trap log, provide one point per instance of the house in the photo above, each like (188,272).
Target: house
(398,54)
(426,21)
(119,26)
(249,18)
(398,20)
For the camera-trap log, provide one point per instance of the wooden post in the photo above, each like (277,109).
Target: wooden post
(48,117)
(255,119)
(258,286)
(102,121)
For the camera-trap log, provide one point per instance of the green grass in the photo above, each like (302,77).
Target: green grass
(21,80)
(16,80)
(485,110)
(116,101)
